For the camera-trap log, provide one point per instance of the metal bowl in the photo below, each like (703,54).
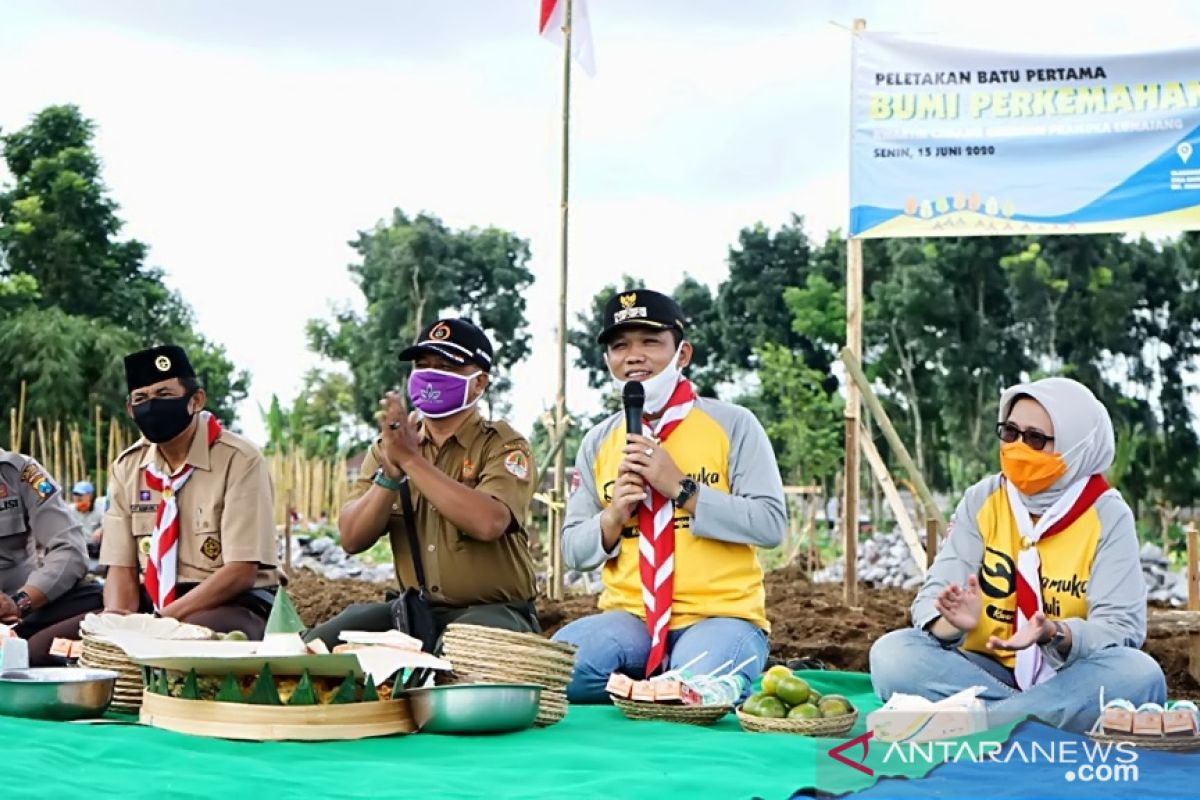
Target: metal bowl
(475,707)
(57,693)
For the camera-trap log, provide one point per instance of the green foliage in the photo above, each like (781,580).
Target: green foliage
(540,440)
(412,271)
(74,298)
(322,421)
(802,420)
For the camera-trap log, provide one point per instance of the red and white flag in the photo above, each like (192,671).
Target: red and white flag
(551,24)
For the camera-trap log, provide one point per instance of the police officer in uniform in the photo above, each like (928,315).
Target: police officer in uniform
(33,597)
(210,556)
(471,482)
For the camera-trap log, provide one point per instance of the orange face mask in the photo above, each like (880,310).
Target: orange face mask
(1031,471)
(84,506)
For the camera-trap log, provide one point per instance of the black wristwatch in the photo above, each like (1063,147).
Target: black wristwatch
(687,488)
(22,602)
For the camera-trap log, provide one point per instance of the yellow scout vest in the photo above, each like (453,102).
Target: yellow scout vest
(712,579)
(1066,563)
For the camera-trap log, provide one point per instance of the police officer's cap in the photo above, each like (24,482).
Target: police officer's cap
(454,339)
(148,367)
(639,308)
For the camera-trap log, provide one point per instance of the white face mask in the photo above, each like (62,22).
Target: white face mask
(658,387)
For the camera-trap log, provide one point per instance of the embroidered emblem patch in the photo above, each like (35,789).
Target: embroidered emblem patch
(38,480)
(144,495)
(144,545)
(3,490)
(440,331)
(468,468)
(211,549)
(517,464)
(163,363)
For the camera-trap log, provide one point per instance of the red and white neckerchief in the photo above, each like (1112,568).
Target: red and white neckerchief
(164,543)
(1031,667)
(656,544)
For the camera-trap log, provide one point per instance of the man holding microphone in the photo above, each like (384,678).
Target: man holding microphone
(674,513)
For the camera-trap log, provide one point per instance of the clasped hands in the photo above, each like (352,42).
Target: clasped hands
(645,464)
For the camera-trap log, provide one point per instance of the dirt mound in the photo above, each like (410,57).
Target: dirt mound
(319,599)
(808,620)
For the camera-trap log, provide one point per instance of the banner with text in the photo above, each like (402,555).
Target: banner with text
(955,142)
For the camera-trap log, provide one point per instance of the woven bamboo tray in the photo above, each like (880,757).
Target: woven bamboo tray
(663,712)
(127,691)
(1177,744)
(269,723)
(827,726)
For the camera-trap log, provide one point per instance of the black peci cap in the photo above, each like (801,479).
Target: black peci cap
(639,307)
(457,340)
(148,367)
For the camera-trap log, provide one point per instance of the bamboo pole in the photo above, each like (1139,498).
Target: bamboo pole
(40,443)
(21,418)
(99,461)
(59,464)
(13,444)
(932,531)
(854,295)
(855,371)
(554,578)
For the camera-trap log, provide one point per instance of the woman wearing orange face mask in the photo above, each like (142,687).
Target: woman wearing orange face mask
(1037,594)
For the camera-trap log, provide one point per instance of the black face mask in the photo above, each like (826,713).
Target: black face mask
(163,418)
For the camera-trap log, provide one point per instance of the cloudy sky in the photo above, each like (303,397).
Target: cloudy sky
(248,141)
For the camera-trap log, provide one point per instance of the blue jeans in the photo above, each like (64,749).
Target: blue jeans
(617,641)
(911,661)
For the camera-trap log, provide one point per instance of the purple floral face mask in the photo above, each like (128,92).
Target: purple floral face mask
(436,393)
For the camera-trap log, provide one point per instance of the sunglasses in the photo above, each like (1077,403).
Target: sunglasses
(1010,433)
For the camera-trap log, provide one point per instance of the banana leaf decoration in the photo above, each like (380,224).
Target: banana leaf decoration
(264,692)
(370,693)
(305,694)
(231,691)
(191,687)
(346,693)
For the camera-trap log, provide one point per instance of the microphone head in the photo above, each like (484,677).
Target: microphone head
(634,394)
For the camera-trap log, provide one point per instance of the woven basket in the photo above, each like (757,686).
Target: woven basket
(663,712)
(490,655)
(127,691)
(1177,744)
(827,726)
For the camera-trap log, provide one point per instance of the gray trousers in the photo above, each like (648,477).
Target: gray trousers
(519,617)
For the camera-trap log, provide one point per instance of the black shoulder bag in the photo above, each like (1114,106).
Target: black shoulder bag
(411,611)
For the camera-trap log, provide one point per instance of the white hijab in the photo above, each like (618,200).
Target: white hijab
(1083,432)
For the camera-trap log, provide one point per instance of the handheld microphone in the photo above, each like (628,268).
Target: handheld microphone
(633,397)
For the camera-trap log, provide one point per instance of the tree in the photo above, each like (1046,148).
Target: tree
(412,271)
(802,420)
(74,297)
(321,422)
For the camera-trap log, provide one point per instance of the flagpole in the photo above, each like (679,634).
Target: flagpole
(554,580)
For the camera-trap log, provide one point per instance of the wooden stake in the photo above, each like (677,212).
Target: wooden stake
(99,461)
(932,529)
(855,371)
(21,418)
(13,444)
(59,464)
(1193,581)
(907,529)
(1193,572)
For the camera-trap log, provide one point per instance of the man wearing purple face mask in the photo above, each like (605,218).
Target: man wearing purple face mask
(471,481)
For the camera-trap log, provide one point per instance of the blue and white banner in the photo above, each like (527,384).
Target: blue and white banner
(950,141)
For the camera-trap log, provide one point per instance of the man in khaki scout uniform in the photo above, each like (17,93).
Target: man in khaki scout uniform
(188,532)
(471,481)
(33,598)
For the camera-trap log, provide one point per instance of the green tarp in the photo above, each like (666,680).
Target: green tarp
(594,753)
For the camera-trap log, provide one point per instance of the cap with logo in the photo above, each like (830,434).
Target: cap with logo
(639,307)
(457,340)
(148,367)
